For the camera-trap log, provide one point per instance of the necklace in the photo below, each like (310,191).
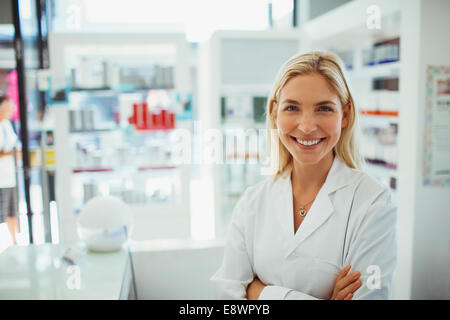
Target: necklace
(302,210)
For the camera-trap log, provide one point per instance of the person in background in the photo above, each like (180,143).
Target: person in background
(8,140)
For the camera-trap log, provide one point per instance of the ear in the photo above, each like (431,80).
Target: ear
(274,110)
(345,115)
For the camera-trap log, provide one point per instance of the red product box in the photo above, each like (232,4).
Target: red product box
(172,120)
(145,115)
(164,118)
(141,116)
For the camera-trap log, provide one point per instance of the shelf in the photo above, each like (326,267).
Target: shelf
(353,32)
(157,168)
(117,90)
(379,113)
(381,164)
(377,119)
(94,130)
(151,130)
(91,170)
(117,128)
(101,169)
(380,171)
(377,70)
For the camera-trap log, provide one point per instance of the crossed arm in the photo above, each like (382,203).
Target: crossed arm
(344,287)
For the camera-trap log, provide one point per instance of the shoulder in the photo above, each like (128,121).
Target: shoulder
(2,129)
(263,189)
(372,200)
(6,126)
(371,189)
(258,196)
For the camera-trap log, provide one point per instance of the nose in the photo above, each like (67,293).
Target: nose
(307,123)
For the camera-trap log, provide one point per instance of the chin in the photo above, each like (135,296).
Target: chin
(307,160)
(311,159)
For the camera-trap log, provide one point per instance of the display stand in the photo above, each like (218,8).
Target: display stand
(236,73)
(99,150)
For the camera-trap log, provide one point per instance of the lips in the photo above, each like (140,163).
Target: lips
(310,142)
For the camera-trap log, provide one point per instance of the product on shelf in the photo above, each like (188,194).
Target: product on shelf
(385,83)
(259,109)
(387,51)
(156,119)
(243,107)
(382,52)
(82,120)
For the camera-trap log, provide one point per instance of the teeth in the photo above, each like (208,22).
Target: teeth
(307,143)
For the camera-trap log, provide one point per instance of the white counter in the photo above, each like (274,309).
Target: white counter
(37,272)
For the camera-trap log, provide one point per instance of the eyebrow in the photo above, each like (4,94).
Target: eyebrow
(316,104)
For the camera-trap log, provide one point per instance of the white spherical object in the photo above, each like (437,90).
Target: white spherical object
(103,223)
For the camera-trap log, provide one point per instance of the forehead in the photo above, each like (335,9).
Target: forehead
(308,87)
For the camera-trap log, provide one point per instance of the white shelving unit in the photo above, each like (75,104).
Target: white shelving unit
(378,109)
(7,58)
(66,49)
(168,218)
(237,65)
(422,27)
(151,219)
(216,77)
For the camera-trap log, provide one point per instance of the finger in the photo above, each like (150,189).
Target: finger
(347,280)
(343,272)
(349,296)
(351,288)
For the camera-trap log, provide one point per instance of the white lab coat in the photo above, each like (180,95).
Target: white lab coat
(8,140)
(352,221)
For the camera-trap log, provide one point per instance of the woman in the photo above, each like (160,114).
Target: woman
(298,235)
(8,139)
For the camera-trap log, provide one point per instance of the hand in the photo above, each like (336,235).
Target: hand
(254,289)
(346,284)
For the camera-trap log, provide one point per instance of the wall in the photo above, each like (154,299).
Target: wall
(408,153)
(431,255)
(310,9)
(317,8)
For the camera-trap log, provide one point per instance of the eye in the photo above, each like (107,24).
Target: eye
(291,108)
(325,109)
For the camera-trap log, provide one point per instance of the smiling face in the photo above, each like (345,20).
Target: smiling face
(309,118)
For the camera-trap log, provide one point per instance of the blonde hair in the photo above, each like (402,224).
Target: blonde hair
(329,66)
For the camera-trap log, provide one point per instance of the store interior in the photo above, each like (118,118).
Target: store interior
(128,104)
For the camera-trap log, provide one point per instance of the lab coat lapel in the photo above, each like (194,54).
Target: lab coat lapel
(319,212)
(283,206)
(322,207)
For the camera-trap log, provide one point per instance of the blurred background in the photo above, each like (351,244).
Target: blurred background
(99,89)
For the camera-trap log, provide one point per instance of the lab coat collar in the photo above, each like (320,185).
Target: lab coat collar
(338,177)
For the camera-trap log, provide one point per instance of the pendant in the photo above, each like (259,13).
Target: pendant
(302,212)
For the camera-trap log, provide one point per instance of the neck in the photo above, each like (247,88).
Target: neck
(306,178)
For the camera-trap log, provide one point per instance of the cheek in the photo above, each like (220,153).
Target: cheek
(332,126)
(285,124)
